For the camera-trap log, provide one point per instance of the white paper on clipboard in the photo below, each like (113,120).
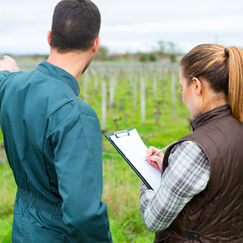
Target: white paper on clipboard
(134,149)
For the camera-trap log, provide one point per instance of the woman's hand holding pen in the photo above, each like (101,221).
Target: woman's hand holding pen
(155,157)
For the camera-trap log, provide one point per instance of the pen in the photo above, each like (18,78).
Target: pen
(161,150)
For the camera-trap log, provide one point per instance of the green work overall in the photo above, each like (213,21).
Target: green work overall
(53,143)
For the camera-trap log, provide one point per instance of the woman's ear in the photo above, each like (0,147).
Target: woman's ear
(197,86)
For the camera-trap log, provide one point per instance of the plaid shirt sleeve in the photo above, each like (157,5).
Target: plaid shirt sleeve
(187,174)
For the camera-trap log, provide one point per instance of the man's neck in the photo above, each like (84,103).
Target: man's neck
(72,62)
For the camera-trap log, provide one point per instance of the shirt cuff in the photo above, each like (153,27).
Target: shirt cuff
(146,196)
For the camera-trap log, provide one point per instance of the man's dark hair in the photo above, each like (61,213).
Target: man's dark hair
(75,25)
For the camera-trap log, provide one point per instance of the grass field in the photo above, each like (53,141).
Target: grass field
(121,185)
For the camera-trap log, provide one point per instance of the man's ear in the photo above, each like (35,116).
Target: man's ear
(49,37)
(197,86)
(96,45)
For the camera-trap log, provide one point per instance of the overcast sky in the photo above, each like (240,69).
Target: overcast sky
(128,25)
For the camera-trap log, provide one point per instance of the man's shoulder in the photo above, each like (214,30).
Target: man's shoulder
(4,74)
(84,108)
(11,75)
(73,108)
(72,113)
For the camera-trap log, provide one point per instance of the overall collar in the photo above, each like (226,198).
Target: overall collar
(60,74)
(208,116)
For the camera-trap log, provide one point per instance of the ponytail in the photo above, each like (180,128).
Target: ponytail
(235,87)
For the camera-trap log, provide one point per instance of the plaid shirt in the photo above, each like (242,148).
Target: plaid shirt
(186,175)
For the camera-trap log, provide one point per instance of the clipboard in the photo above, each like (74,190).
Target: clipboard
(149,175)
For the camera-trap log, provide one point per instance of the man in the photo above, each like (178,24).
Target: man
(53,139)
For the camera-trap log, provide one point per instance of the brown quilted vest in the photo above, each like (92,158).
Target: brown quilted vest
(215,214)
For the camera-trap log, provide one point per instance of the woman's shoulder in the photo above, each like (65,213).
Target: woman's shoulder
(187,147)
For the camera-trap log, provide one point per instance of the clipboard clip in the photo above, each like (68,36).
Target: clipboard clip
(122,133)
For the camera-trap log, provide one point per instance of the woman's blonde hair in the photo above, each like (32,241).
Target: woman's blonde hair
(222,68)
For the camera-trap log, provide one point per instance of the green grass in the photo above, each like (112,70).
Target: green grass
(7,196)
(121,185)
(121,193)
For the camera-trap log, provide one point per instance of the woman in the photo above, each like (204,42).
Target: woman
(200,196)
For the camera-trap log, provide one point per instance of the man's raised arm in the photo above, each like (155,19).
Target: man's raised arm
(8,64)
